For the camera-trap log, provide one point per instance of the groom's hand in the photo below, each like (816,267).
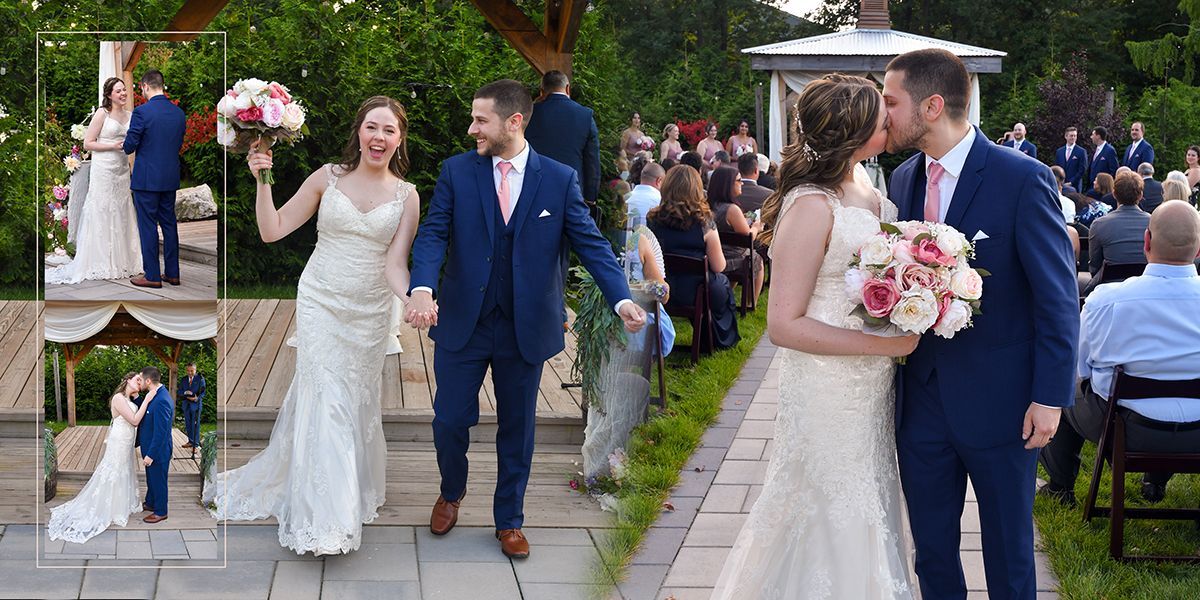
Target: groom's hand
(1040,424)
(422,310)
(633,316)
(147,461)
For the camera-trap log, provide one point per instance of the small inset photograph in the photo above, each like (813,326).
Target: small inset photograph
(130,432)
(131,175)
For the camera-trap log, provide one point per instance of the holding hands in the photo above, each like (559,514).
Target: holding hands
(422,310)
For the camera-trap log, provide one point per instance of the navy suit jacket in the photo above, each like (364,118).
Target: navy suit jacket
(159,421)
(549,212)
(1143,154)
(1027,148)
(155,133)
(1152,194)
(197,387)
(564,130)
(1022,348)
(1075,165)
(1107,162)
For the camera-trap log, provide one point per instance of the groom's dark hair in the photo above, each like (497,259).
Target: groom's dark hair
(153,78)
(152,373)
(935,71)
(509,97)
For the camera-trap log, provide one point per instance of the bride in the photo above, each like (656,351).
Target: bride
(829,522)
(322,473)
(111,494)
(107,245)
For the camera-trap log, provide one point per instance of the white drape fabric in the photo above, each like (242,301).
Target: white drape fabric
(110,66)
(70,322)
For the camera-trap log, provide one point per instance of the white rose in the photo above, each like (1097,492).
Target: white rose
(948,239)
(272,112)
(957,318)
(225,132)
(877,251)
(966,284)
(242,102)
(226,106)
(252,86)
(293,116)
(916,311)
(78,131)
(855,278)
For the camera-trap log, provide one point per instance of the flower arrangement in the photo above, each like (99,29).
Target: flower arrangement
(645,143)
(255,111)
(201,127)
(694,131)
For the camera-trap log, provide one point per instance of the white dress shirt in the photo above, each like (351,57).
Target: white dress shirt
(1132,148)
(642,199)
(1098,150)
(953,163)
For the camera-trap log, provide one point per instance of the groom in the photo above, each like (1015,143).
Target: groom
(156,133)
(981,404)
(499,218)
(157,446)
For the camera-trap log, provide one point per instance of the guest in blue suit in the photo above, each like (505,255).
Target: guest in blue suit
(1104,157)
(156,133)
(157,445)
(981,404)
(498,221)
(565,130)
(1073,160)
(191,389)
(1139,150)
(1019,143)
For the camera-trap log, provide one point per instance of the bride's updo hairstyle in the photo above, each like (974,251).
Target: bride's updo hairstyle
(130,375)
(835,116)
(109,84)
(352,153)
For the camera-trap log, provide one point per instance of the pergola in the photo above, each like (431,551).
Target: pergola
(864,50)
(163,327)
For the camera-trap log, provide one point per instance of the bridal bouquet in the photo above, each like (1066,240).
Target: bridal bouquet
(257,111)
(645,143)
(914,277)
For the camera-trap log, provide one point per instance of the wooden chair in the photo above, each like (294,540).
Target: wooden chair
(1082,264)
(700,312)
(743,276)
(1112,448)
(657,359)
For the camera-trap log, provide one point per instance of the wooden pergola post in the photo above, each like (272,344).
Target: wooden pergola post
(548,50)
(194,15)
(74,356)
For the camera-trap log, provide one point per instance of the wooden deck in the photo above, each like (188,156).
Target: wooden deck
(80,450)
(259,366)
(20,477)
(197,271)
(20,401)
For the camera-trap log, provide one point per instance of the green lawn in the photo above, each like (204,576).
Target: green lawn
(661,447)
(1079,551)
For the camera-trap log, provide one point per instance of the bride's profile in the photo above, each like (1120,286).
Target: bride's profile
(829,522)
(111,494)
(107,243)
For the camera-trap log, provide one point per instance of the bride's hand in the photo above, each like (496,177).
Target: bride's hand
(258,160)
(901,345)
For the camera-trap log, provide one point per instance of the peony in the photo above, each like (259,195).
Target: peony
(71,163)
(61,192)
(855,279)
(272,113)
(927,252)
(911,229)
(880,297)
(78,131)
(877,251)
(902,251)
(916,311)
(226,106)
(242,102)
(914,276)
(279,92)
(955,318)
(226,134)
(966,284)
(293,117)
(250,115)
(252,86)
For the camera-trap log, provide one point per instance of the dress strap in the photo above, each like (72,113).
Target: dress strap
(402,190)
(332,177)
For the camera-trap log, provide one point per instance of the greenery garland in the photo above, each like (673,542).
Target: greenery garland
(596,326)
(50,464)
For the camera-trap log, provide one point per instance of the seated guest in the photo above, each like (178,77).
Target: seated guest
(692,160)
(1174,190)
(752,195)
(1102,188)
(639,162)
(1152,191)
(645,196)
(667,163)
(682,222)
(766,172)
(720,159)
(1117,236)
(724,188)
(1068,205)
(1148,325)
(1088,209)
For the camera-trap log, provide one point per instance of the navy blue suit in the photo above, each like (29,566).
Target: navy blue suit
(499,304)
(158,445)
(1106,162)
(961,403)
(1143,154)
(156,133)
(1075,165)
(564,130)
(191,410)
(1027,148)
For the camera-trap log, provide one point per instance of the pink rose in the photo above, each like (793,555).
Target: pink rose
(927,252)
(879,296)
(944,304)
(912,230)
(902,252)
(231,93)
(278,91)
(254,113)
(916,277)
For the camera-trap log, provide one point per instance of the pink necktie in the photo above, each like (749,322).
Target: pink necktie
(505,167)
(933,193)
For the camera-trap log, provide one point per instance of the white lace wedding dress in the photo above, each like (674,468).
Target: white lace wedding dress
(322,472)
(830,521)
(107,244)
(109,496)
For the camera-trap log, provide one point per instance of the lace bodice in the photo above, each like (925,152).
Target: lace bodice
(121,427)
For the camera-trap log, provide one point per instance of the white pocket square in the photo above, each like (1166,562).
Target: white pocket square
(545,213)
(979,235)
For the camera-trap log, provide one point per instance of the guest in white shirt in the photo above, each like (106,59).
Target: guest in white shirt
(645,195)
(1147,324)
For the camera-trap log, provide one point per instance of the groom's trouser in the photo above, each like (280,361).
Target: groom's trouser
(934,465)
(154,210)
(156,487)
(456,409)
(191,421)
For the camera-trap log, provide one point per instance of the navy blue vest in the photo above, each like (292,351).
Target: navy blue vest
(499,293)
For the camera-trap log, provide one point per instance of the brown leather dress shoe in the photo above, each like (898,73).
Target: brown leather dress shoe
(445,515)
(146,507)
(171,280)
(141,281)
(154,518)
(513,543)
(187,445)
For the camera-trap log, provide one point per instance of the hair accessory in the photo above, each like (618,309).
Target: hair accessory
(809,153)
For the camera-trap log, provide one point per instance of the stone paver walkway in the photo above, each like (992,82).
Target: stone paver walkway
(683,553)
(166,544)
